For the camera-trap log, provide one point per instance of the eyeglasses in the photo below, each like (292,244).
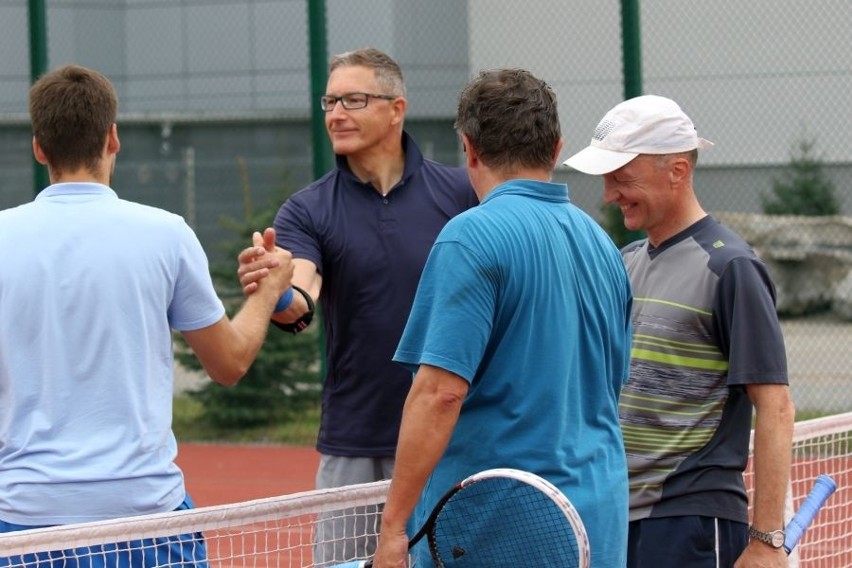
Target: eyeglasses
(350,101)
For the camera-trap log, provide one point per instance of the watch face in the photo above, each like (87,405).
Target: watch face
(778,539)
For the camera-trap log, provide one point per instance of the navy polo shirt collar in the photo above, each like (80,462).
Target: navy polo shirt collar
(413,161)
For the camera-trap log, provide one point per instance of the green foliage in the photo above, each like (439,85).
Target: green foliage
(613,224)
(284,380)
(805,190)
(300,430)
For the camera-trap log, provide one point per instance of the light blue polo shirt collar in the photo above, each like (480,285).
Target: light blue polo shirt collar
(72,189)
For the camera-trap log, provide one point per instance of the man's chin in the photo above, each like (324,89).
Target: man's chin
(632,225)
(343,148)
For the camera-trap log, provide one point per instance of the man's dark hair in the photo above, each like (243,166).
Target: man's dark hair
(510,118)
(72,109)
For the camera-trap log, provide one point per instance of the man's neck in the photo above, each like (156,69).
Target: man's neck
(381,167)
(680,223)
(82,175)
(489,179)
(76,179)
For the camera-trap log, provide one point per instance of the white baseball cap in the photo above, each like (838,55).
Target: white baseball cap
(642,125)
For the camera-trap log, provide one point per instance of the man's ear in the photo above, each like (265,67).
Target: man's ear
(399,104)
(471,158)
(556,152)
(39,153)
(679,170)
(113,143)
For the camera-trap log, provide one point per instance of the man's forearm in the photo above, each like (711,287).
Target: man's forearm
(772,457)
(429,417)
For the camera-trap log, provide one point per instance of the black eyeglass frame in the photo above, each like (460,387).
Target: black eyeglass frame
(328,102)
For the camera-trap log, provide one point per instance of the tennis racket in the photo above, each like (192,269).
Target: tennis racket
(502,517)
(823,487)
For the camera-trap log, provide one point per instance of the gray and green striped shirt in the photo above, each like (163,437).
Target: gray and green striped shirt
(704,325)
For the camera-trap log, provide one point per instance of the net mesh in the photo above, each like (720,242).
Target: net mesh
(821,446)
(276,531)
(281,531)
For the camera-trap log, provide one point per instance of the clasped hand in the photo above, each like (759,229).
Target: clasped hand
(264,259)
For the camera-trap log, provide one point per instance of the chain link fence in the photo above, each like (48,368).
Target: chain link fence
(215,111)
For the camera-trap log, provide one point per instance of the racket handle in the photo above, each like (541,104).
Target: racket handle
(824,486)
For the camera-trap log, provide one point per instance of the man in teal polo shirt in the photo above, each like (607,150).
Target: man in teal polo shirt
(519,335)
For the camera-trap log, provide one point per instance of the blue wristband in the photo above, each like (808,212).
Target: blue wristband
(284,301)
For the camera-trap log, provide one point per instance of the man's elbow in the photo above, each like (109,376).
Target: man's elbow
(779,408)
(790,410)
(229,375)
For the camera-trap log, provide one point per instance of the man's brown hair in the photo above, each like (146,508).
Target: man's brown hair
(72,109)
(510,118)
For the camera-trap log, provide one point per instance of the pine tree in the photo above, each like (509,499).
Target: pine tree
(284,379)
(805,190)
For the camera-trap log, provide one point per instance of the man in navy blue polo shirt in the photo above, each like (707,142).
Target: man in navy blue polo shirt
(360,236)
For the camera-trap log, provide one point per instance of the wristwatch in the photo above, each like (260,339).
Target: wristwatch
(775,539)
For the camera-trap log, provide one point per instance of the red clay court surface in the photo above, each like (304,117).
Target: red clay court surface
(217,474)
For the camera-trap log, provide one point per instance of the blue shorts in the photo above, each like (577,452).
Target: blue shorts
(675,542)
(182,550)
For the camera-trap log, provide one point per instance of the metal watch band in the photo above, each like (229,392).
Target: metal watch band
(775,539)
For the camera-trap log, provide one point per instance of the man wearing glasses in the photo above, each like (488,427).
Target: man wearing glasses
(359,237)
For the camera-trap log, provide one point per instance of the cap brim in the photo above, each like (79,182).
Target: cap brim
(597,161)
(704,144)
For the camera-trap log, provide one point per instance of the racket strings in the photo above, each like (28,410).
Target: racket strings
(499,522)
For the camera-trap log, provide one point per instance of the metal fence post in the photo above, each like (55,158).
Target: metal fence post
(38,65)
(631,58)
(318,53)
(631,48)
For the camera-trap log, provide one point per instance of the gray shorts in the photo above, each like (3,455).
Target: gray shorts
(351,534)
(337,471)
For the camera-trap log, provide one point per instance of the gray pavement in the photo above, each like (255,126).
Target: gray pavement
(819,358)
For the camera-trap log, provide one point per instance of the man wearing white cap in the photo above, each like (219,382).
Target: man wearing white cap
(707,348)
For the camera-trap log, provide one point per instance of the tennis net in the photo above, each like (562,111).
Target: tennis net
(275,531)
(821,446)
(281,531)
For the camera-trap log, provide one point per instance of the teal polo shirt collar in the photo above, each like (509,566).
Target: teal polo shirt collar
(547,191)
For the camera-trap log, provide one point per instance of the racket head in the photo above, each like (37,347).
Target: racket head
(507,517)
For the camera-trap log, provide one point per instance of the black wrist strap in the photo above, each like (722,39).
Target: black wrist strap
(304,321)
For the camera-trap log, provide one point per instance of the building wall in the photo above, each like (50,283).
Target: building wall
(751,75)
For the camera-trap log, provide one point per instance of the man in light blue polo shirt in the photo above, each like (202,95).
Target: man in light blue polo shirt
(519,334)
(90,290)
